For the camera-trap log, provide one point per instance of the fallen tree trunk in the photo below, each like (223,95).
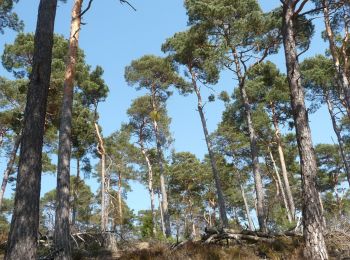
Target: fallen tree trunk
(213,235)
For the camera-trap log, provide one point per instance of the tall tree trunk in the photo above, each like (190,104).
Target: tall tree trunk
(22,240)
(254,149)
(219,192)
(339,137)
(9,167)
(164,203)
(150,187)
(286,186)
(161,214)
(279,181)
(246,207)
(75,193)
(342,79)
(315,247)
(62,232)
(120,208)
(102,152)
(259,188)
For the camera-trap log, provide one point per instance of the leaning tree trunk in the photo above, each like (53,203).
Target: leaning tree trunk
(219,192)
(341,79)
(102,153)
(339,137)
(246,207)
(286,186)
(161,214)
(150,187)
(109,239)
(22,240)
(315,247)
(259,188)
(166,216)
(9,167)
(62,230)
(254,149)
(280,185)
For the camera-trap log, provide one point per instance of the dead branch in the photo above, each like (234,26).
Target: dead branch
(127,2)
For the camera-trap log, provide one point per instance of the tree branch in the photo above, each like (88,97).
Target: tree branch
(301,6)
(127,2)
(86,9)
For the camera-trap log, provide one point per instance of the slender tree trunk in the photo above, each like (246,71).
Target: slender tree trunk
(279,181)
(102,152)
(9,167)
(164,203)
(161,214)
(259,188)
(150,187)
(342,79)
(75,193)
(286,185)
(62,231)
(254,149)
(22,240)
(219,192)
(120,199)
(246,207)
(315,247)
(339,137)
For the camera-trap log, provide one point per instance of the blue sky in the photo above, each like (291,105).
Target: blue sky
(114,35)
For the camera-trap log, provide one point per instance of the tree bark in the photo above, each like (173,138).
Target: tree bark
(120,208)
(62,228)
(9,167)
(254,149)
(342,79)
(246,207)
(102,152)
(75,193)
(161,214)
(22,240)
(259,188)
(164,203)
(315,247)
(286,185)
(339,136)
(279,181)
(150,187)
(219,192)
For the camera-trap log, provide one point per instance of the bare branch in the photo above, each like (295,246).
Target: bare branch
(86,9)
(301,6)
(126,2)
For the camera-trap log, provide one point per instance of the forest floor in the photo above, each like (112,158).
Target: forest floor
(279,247)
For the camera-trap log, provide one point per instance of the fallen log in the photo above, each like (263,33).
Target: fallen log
(214,235)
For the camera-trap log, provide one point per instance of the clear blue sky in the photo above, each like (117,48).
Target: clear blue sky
(114,35)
